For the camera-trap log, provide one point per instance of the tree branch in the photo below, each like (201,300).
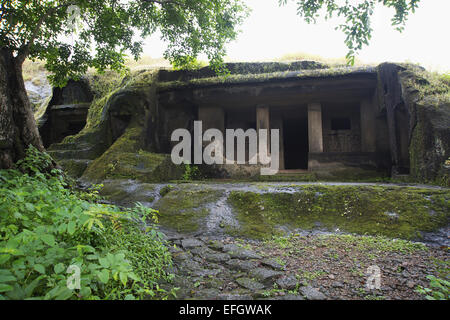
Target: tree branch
(25,49)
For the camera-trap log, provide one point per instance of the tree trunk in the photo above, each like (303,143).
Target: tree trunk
(18,128)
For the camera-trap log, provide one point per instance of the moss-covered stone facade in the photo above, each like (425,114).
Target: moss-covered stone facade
(375,122)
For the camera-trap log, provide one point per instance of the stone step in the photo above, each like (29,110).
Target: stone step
(68,146)
(74,167)
(72,154)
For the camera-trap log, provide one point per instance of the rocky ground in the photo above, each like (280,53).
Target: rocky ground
(301,267)
(274,257)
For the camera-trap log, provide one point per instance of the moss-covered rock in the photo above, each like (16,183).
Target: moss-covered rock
(125,159)
(264,77)
(186,208)
(118,101)
(397,212)
(241,68)
(427,96)
(127,193)
(74,167)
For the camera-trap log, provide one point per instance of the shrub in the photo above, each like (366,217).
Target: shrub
(47,230)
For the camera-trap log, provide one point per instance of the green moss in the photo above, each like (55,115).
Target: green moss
(427,84)
(166,190)
(396,212)
(74,168)
(140,78)
(126,193)
(184,209)
(264,77)
(105,86)
(125,159)
(428,97)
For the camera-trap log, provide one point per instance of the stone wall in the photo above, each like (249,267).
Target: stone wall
(341,140)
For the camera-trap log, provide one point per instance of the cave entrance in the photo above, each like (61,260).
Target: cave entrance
(296,144)
(63,121)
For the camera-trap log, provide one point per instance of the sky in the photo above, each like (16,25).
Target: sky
(272,31)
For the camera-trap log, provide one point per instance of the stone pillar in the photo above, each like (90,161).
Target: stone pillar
(277,123)
(368,126)
(212,118)
(315,132)
(263,122)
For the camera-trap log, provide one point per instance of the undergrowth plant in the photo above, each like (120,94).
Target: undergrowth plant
(439,289)
(47,230)
(191,172)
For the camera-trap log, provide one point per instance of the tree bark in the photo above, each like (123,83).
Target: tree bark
(18,128)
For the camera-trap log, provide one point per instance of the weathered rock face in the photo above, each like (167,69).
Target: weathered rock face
(418,123)
(125,159)
(429,129)
(430,143)
(38,90)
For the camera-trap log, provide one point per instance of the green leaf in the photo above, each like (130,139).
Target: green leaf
(104,262)
(48,239)
(104,276)
(71,227)
(123,278)
(85,292)
(30,288)
(7,278)
(4,258)
(59,268)
(62,228)
(39,268)
(5,287)
(64,294)
(120,256)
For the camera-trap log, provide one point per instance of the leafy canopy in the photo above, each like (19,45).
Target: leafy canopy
(357,13)
(107,29)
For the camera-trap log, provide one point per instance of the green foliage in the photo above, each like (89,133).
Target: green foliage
(439,289)
(35,162)
(189,63)
(47,30)
(281,241)
(191,172)
(356,14)
(45,227)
